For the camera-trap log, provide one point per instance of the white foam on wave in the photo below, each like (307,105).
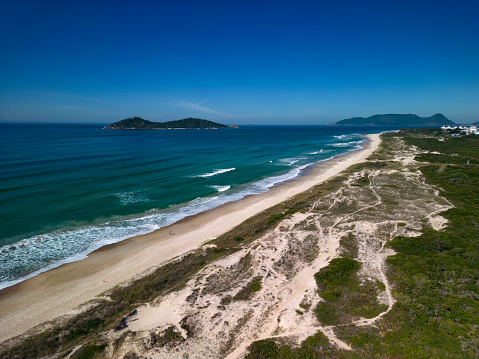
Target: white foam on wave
(347,137)
(269,182)
(346,144)
(357,147)
(220,188)
(292,161)
(217,172)
(40,253)
(129,197)
(318,152)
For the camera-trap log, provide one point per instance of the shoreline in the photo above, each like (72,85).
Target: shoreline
(60,290)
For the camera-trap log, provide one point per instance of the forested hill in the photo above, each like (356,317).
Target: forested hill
(397,120)
(137,123)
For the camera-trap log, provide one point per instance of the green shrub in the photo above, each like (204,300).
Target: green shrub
(246,292)
(331,295)
(263,349)
(338,272)
(380,285)
(89,351)
(327,314)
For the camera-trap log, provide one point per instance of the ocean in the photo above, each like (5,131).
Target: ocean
(66,190)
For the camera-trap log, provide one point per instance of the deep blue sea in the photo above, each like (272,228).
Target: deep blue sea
(66,190)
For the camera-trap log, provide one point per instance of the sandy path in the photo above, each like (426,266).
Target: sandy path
(379,263)
(61,290)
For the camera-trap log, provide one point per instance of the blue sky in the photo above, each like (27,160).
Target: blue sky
(237,62)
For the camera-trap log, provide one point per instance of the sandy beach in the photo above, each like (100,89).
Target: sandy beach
(62,290)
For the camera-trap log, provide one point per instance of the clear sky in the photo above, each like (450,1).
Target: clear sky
(237,62)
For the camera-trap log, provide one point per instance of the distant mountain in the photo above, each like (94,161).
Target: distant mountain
(475,123)
(137,123)
(397,120)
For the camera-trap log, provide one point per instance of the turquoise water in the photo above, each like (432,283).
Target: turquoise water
(66,190)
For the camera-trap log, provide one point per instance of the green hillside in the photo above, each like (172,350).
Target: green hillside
(406,120)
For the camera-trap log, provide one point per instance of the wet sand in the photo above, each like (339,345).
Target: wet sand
(59,291)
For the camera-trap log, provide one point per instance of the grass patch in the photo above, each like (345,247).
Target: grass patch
(316,346)
(89,351)
(305,305)
(345,296)
(226,300)
(328,314)
(169,337)
(380,285)
(362,301)
(338,273)
(331,295)
(393,186)
(349,247)
(246,292)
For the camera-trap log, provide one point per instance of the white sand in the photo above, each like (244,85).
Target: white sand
(61,290)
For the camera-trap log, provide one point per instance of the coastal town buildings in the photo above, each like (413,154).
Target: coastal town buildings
(468,130)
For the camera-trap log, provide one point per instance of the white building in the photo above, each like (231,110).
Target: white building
(468,130)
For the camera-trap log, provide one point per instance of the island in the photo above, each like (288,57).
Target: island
(138,123)
(406,120)
(475,123)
